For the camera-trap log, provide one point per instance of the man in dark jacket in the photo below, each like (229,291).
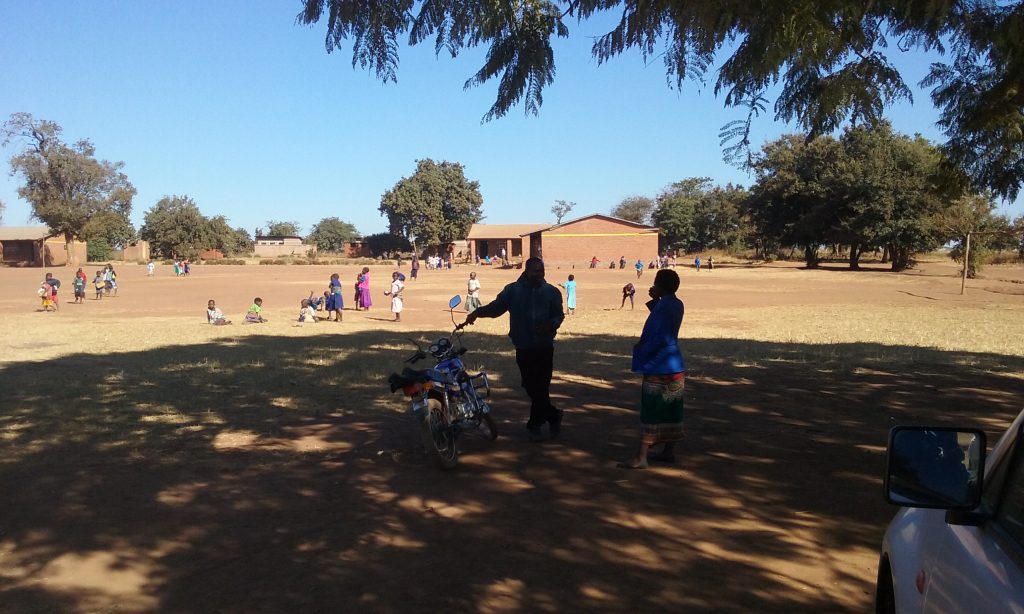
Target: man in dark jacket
(535,313)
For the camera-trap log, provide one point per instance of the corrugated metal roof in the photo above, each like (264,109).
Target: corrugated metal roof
(503,231)
(24,233)
(610,218)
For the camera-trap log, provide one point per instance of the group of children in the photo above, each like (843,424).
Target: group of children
(105,283)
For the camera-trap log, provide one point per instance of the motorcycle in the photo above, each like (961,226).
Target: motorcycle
(446,399)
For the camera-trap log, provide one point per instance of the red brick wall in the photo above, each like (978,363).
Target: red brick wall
(575,244)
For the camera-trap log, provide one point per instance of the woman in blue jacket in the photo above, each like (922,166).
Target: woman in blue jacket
(657,357)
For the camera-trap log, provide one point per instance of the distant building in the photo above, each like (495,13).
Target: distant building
(572,243)
(136,252)
(272,246)
(37,246)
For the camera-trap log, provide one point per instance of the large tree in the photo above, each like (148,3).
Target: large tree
(437,204)
(791,202)
(229,241)
(331,234)
(886,193)
(66,185)
(829,62)
(675,210)
(175,227)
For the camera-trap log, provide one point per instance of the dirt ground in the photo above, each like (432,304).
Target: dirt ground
(150,462)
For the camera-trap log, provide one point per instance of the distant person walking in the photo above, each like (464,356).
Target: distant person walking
(622,262)
(472,293)
(696,263)
(415,267)
(657,357)
(711,263)
(535,313)
(150,268)
(570,294)
(639,266)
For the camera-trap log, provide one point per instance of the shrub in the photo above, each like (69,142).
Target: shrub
(223,261)
(98,250)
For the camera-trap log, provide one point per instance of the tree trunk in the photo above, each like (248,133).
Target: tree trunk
(69,247)
(900,257)
(811,256)
(855,252)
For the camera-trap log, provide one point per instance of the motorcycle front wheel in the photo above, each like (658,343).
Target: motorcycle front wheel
(438,436)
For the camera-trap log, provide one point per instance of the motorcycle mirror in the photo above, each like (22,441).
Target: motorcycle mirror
(454,302)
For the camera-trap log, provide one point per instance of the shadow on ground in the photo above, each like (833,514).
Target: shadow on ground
(268,474)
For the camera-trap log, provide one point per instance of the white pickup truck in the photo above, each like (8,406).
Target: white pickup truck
(957,544)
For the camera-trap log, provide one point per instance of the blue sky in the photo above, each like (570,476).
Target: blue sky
(235,106)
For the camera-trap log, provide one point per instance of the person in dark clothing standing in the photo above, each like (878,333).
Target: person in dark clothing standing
(535,313)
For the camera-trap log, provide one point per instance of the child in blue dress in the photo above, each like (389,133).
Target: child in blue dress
(570,294)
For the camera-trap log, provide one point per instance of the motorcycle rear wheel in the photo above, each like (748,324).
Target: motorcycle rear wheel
(438,437)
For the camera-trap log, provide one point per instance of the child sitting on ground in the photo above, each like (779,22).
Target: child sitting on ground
(307,313)
(213,315)
(255,313)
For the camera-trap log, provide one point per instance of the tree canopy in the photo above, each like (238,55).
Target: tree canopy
(282,229)
(331,234)
(635,209)
(176,228)
(69,190)
(830,62)
(437,204)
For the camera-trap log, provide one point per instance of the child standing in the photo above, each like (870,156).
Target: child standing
(396,295)
(255,313)
(79,285)
(472,293)
(364,289)
(334,300)
(639,268)
(150,268)
(99,284)
(570,294)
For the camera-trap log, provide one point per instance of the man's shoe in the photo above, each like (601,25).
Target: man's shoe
(556,424)
(534,434)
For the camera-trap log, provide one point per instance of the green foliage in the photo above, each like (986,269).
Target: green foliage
(175,228)
(694,215)
(674,212)
(282,229)
(791,201)
(383,243)
(437,204)
(229,241)
(561,208)
(98,250)
(225,262)
(66,185)
(331,234)
(111,227)
(635,209)
(828,61)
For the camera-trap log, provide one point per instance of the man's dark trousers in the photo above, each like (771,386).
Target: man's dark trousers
(535,367)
